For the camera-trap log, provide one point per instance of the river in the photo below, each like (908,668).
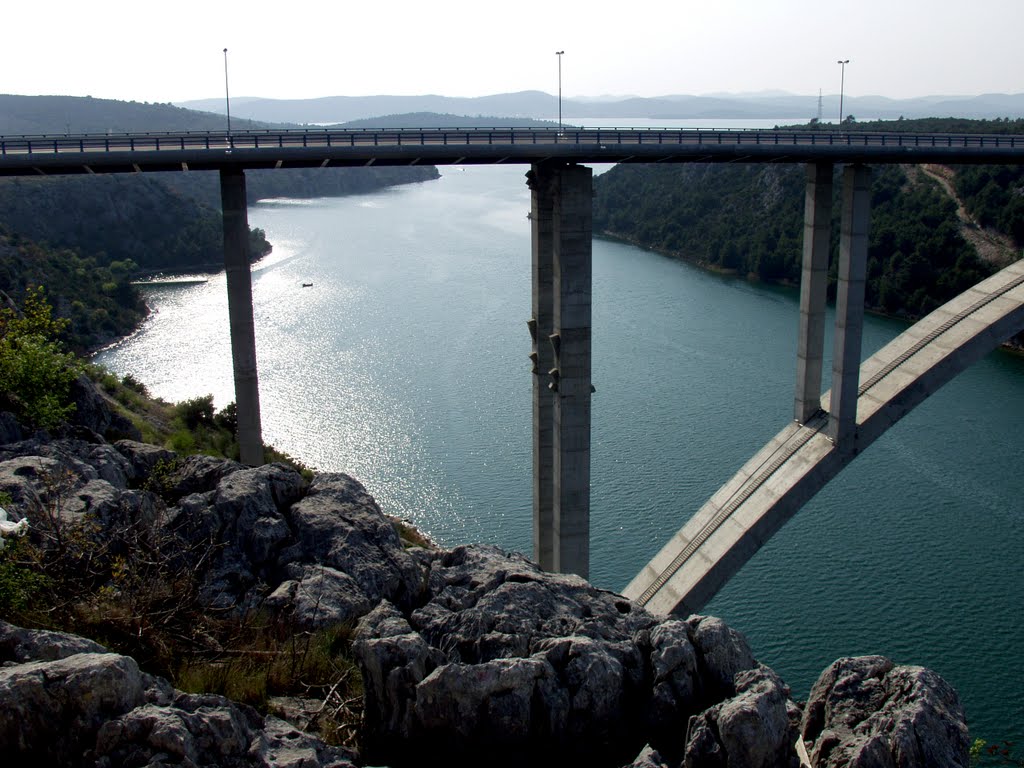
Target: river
(405,364)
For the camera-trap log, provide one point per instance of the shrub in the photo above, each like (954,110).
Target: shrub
(35,373)
(197,412)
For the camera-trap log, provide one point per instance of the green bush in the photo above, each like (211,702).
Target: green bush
(35,373)
(197,412)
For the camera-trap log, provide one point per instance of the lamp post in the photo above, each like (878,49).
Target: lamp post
(842,82)
(227,96)
(559,55)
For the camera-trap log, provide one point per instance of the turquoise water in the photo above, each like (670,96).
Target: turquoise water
(405,364)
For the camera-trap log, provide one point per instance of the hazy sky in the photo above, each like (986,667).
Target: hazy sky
(172,50)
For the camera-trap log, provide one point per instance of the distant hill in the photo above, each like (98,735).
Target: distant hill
(540,105)
(21,115)
(435,120)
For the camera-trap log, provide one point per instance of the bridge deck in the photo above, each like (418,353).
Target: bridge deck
(794,465)
(45,155)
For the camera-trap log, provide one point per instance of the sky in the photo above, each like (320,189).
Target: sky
(173,51)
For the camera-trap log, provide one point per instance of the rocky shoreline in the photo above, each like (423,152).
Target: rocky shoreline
(469,656)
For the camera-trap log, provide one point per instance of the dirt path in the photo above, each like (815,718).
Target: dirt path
(994,247)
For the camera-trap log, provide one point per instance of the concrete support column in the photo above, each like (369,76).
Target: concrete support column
(573,235)
(813,290)
(541,181)
(853,259)
(240,315)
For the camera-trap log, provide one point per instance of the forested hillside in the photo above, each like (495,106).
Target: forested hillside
(119,218)
(749,219)
(97,299)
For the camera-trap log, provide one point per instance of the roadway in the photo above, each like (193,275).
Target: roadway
(126,153)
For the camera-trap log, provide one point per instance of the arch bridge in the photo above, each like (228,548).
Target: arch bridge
(828,430)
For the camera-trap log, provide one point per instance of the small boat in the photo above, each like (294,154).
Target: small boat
(307,285)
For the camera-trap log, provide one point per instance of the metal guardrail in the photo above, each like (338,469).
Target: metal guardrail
(433,137)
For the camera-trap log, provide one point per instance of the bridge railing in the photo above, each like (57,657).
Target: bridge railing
(365,137)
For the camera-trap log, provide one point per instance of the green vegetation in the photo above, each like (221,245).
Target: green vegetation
(97,300)
(984,754)
(35,374)
(748,219)
(127,219)
(994,196)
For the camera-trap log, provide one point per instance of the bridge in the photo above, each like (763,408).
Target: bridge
(321,148)
(828,431)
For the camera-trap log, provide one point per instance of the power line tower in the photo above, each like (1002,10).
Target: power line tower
(819,105)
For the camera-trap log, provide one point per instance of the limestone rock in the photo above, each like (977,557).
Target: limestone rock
(865,712)
(316,595)
(65,701)
(756,728)
(144,457)
(723,653)
(91,409)
(50,711)
(648,758)
(23,645)
(339,529)
(508,665)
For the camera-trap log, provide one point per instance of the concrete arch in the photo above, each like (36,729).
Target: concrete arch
(770,488)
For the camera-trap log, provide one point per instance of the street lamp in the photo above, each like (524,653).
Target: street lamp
(842,82)
(559,55)
(227,97)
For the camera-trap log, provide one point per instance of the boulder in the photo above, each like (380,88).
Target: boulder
(91,408)
(51,711)
(144,457)
(507,665)
(866,712)
(756,728)
(342,540)
(24,645)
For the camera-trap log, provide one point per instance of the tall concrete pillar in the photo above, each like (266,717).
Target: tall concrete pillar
(853,259)
(813,290)
(240,315)
(572,232)
(541,181)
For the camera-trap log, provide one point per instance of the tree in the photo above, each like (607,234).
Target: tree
(35,373)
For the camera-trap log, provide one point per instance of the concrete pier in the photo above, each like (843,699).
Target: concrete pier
(562,244)
(813,290)
(853,259)
(240,315)
(542,190)
(573,241)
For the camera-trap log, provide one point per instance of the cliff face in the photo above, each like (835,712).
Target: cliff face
(473,654)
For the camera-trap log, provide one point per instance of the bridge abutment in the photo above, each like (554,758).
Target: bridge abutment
(562,232)
(240,315)
(813,290)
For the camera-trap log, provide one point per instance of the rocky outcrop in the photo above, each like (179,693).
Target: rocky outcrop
(756,728)
(66,701)
(866,712)
(505,663)
(473,654)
